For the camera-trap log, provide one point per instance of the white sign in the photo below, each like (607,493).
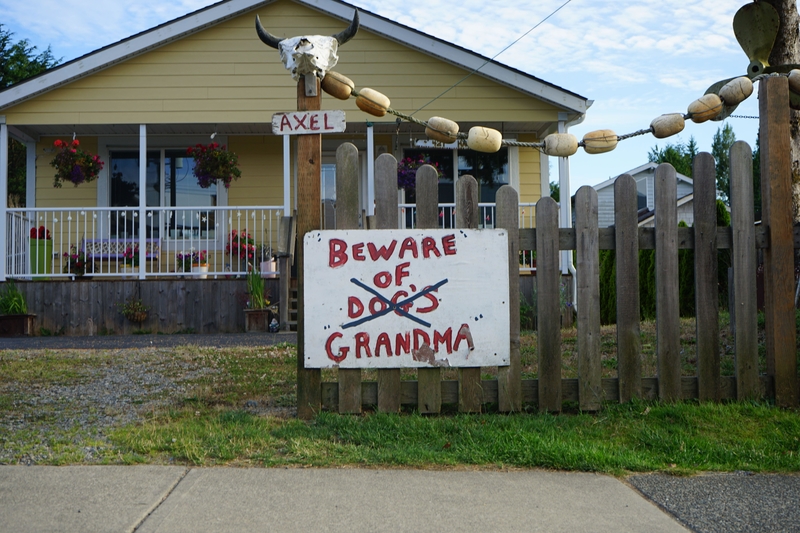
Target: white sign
(406,298)
(305,122)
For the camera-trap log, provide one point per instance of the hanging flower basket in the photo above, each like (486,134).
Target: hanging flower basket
(214,163)
(407,171)
(73,164)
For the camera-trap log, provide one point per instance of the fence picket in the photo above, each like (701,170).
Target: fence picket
(667,310)
(705,276)
(509,378)
(386,218)
(347,219)
(548,279)
(590,392)
(430,379)
(629,363)
(744,272)
(470,393)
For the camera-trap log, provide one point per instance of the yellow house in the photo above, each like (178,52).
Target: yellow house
(141,102)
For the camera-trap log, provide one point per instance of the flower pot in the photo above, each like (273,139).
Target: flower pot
(41,252)
(257,320)
(269,269)
(200,270)
(129,272)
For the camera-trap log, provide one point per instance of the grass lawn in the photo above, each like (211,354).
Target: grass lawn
(235,407)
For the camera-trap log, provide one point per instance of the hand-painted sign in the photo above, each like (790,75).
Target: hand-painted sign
(406,298)
(305,122)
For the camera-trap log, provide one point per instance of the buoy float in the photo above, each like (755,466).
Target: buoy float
(484,139)
(705,108)
(560,144)
(667,125)
(337,85)
(736,91)
(599,141)
(442,130)
(794,81)
(372,102)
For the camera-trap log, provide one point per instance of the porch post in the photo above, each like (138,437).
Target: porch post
(287,175)
(4,194)
(30,174)
(142,199)
(370,172)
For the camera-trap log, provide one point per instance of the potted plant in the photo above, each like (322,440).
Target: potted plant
(257,315)
(131,259)
(14,317)
(183,262)
(74,164)
(41,251)
(214,163)
(134,310)
(200,263)
(268,263)
(74,262)
(407,171)
(241,250)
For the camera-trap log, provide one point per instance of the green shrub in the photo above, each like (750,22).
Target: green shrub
(12,301)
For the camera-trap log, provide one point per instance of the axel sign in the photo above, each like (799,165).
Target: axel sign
(406,298)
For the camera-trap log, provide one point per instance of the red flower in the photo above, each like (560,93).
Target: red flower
(41,233)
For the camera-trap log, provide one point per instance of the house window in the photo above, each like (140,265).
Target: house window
(176,187)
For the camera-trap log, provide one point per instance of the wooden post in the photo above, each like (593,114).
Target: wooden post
(386,218)
(590,391)
(309,198)
(776,200)
(548,279)
(470,392)
(347,218)
(705,276)
(509,378)
(429,390)
(626,233)
(743,295)
(667,312)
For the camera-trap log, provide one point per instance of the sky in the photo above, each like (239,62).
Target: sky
(636,59)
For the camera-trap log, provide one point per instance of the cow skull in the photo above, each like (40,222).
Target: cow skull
(308,54)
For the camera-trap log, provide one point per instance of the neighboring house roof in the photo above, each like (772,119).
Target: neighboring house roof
(638,170)
(646,215)
(108,56)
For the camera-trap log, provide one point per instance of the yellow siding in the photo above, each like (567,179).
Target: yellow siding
(225,74)
(261,162)
(68,195)
(530,174)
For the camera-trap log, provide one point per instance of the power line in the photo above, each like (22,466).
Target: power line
(493,58)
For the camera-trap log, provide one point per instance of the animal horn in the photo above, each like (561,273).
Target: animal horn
(265,36)
(350,32)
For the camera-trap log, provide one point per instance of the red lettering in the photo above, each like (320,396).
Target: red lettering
(314,123)
(382,252)
(300,120)
(362,341)
(325,120)
(285,123)
(377,301)
(358,252)
(396,297)
(383,341)
(400,272)
(409,244)
(464,334)
(449,244)
(446,338)
(342,350)
(402,342)
(382,279)
(434,304)
(428,247)
(337,255)
(420,335)
(354,307)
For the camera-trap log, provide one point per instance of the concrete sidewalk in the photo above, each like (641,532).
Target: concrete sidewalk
(164,499)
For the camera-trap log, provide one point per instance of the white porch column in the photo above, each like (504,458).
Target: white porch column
(370,172)
(4,195)
(30,174)
(287,176)
(565,213)
(142,199)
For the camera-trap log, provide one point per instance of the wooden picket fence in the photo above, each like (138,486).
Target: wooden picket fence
(508,392)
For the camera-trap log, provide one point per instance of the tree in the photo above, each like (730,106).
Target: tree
(19,61)
(555,191)
(720,149)
(679,155)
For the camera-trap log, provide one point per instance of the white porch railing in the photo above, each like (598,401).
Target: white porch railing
(103,235)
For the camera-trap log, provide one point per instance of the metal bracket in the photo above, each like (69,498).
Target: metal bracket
(311,84)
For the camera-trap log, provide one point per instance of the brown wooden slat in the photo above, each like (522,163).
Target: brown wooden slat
(470,393)
(705,275)
(386,218)
(629,365)
(510,377)
(776,201)
(430,390)
(590,394)
(548,279)
(667,311)
(347,212)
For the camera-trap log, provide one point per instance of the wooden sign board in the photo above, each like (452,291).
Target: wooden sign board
(307,122)
(406,298)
